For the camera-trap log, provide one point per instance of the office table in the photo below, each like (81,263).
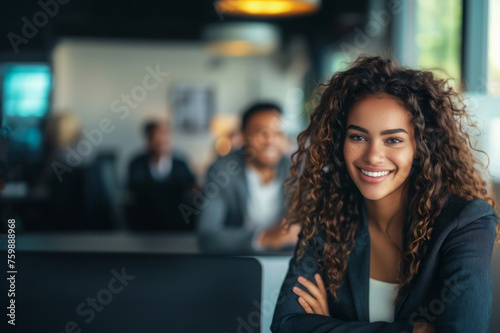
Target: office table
(274,265)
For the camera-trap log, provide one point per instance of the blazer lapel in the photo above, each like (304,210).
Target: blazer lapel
(359,271)
(241,187)
(405,292)
(446,214)
(399,304)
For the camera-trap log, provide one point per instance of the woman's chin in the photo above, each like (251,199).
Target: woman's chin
(373,195)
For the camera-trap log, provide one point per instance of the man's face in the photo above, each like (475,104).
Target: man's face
(160,141)
(264,138)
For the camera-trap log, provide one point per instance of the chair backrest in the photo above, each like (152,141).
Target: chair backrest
(125,292)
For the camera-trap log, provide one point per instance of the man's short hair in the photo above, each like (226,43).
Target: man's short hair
(150,126)
(255,108)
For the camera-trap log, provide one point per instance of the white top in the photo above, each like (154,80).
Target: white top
(381,297)
(162,169)
(263,203)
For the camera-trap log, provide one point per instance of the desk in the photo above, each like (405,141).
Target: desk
(274,267)
(273,273)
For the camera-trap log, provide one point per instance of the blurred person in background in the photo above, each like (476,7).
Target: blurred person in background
(244,206)
(67,191)
(55,196)
(62,132)
(159,179)
(158,163)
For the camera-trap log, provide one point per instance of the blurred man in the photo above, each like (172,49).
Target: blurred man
(158,163)
(158,181)
(244,190)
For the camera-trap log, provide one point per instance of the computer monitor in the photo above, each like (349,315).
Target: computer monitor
(124,292)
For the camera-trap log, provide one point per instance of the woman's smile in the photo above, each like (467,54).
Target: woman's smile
(379,146)
(374,177)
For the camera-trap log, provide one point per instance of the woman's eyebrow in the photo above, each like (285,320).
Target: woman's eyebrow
(385,132)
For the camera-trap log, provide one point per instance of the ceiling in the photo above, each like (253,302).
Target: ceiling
(181,20)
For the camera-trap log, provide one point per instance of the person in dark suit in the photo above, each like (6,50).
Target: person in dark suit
(158,163)
(159,181)
(398,224)
(244,207)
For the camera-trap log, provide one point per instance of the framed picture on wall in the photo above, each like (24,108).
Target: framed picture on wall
(193,106)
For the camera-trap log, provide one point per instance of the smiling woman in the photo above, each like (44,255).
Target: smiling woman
(395,214)
(380,148)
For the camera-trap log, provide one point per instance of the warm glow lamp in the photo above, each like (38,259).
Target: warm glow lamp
(267,7)
(242,39)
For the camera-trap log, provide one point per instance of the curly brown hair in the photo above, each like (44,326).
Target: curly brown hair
(321,195)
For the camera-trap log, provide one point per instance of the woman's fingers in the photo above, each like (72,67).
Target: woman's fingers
(313,303)
(319,282)
(321,286)
(318,299)
(315,292)
(307,308)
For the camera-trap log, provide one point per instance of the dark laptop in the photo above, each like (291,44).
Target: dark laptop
(123,292)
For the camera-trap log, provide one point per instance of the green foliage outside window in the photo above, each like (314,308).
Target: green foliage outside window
(438,37)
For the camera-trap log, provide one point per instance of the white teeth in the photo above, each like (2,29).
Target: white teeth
(375,174)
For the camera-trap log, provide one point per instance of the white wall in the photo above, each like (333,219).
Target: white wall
(91,74)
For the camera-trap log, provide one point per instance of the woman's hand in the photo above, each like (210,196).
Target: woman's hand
(423,328)
(316,301)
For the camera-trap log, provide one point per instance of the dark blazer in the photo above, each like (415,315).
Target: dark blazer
(453,289)
(139,173)
(154,204)
(220,224)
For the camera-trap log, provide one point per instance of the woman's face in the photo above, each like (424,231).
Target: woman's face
(379,146)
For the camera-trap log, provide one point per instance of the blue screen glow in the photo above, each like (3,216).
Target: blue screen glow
(26,91)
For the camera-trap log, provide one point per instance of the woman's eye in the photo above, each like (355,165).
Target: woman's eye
(357,137)
(394,140)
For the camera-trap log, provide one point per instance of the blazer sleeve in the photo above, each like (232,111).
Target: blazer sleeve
(465,301)
(289,316)
(213,235)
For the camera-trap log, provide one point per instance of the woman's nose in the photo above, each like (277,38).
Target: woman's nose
(374,153)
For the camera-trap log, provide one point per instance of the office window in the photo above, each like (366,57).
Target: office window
(438,36)
(339,62)
(494,48)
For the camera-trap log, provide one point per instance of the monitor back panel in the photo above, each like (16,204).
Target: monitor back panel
(123,292)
